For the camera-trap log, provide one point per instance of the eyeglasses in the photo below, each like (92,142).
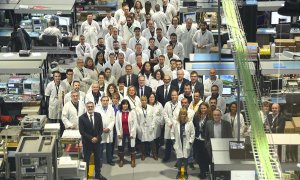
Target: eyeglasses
(90,106)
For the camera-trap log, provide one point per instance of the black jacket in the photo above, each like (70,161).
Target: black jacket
(160,92)
(147,91)
(134,80)
(181,88)
(278,125)
(87,131)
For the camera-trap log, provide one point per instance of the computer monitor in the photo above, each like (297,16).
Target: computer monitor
(276,84)
(227,79)
(64,21)
(226,91)
(191,15)
(275,18)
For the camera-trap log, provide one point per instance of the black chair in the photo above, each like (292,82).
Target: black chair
(283,31)
(293,104)
(49,40)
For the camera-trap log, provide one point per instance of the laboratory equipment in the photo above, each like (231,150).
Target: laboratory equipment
(15,85)
(71,169)
(31,86)
(34,122)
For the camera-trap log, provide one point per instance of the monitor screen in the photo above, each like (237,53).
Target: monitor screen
(283,19)
(227,79)
(226,91)
(276,84)
(27,86)
(191,15)
(64,21)
(37,21)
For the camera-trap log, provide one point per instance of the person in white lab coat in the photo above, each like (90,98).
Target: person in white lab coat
(121,14)
(69,80)
(177,46)
(108,121)
(75,87)
(138,51)
(185,36)
(149,32)
(203,39)
(109,79)
(132,97)
(194,105)
(138,10)
(100,61)
(174,27)
(92,70)
(183,133)
(169,10)
(160,19)
(169,56)
(153,52)
(232,118)
(126,124)
(81,74)
(212,80)
(160,40)
(146,127)
(179,67)
(161,66)
(157,80)
(99,48)
(108,20)
(90,29)
(94,95)
(138,39)
(125,49)
(127,30)
(51,30)
(118,68)
(83,49)
(72,110)
(221,104)
(55,92)
(171,111)
(114,37)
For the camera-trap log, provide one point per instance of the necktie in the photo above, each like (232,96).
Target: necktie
(142,92)
(91,118)
(166,92)
(81,70)
(128,81)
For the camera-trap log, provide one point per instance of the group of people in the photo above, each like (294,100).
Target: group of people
(129,86)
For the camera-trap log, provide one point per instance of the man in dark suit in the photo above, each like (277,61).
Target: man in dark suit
(276,120)
(142,89)
(179,82)
(216,129)
(130,78)
(163,92)
(195,84)
(91,128)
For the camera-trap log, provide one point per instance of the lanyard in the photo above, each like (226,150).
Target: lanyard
(232,121)
(133,101)
(173,108)
(144,112)
(57,89)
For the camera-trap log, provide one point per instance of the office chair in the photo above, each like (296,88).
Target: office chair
(49,40)
(283,31)
(293,104)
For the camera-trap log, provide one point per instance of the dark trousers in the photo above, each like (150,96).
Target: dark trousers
(121,149)
(201,155)
(114,142)
(88,148)
(181,161)
(168,149)
(108,152)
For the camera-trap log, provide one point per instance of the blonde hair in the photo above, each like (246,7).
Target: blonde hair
(144,98)
(183,110)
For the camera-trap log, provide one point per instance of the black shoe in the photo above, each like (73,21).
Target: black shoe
(186,176)
(202,175)
(191,165)
(100,177)
(112,163)
(178,175)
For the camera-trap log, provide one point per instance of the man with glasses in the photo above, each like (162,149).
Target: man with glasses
(138,39)
(127,30)
(163,92)
(83,49)
(196,84)
(125,49)
(69,80)
(129,78)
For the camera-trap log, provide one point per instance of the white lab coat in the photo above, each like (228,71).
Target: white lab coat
(170,12)
(154,83)
(147,34)
(106,22)
(186,74)
(83,51)
(182,149)
(118,71)
(90,32)
(51,31)
(138,16)
(127,32)
(89,97)
(185,37)
(68,97)
(172,29)
(132,124)
(131,59)
(144,24)
(178,50)
(158,112)
(196,107)
(127,52)
(108,121)
(93,74)
(165,69)
(100,67)
(110,41)
(157,53)
(95,50)
(120,16)
(146,124)
(160,19)
(68,85)
(133,41)
(208,83)
(85,79)
(134,103)
(227,117)
(206,39)
(161,44)
(168,59)
(170,117)
(70,116)
(136,69)
(55,99)
(221,104)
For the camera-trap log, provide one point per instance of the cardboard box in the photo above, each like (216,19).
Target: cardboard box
(296,123)
(289,127)
(280,49)
(297,40)
(285,42)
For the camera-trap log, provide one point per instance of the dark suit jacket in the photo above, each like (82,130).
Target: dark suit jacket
(199,87)
(160,92)
(200,130)
(134,80)
(175,83)
(278,125)
(87,131)
(147,91)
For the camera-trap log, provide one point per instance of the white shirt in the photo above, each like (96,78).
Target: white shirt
(161,44)
(170,12)
(120,16)
(185,36)
(51,31)
(177,49)
(131,59)
(91,32)
(160,19)
(172,29)
(110,40)
(185,72)
(133,41)
(206,39)
(208,83)
(83,51)
(108,21)
(147,34)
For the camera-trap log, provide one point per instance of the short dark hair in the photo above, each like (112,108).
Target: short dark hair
(124,101)
(69,70)
(173,34)
(52,23)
